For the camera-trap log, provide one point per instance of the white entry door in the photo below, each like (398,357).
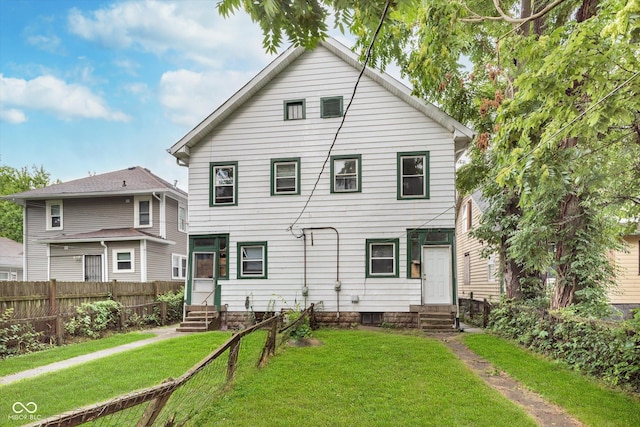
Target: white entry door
(436,275)
(203,278)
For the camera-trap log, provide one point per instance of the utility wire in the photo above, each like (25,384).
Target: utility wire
(344,116)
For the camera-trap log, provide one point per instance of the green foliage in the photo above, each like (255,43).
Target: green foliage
(603,349)
(18,338)
(14,181)
(302,329)
(93,319)
(175,303)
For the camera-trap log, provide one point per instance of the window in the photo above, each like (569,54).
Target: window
(331,107)
(223,184)
(216,243)
(467,269)
(345,174)
(203,263)
(182,218)
(294,109)
(252,260)
(285,176)
(142,211)
(491,268)
(413,175)
(4,275)
(382,258)
(123,261)
(466,216)
(178,266)
(54,214)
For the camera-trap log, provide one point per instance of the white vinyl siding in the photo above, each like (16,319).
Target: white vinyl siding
(379,126)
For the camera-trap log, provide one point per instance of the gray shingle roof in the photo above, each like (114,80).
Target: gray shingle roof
(10,253)
(107,234)
(126,181)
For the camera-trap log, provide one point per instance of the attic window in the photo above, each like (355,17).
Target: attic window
(331,107)
(294,109)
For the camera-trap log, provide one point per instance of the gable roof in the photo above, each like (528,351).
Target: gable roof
(10,253)
(181,149)
(133,180)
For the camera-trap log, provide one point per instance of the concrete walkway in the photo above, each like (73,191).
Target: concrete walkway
(161,334)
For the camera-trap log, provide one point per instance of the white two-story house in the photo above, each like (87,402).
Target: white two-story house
(283,213)
(127,225)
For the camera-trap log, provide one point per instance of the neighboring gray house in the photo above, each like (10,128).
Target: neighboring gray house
(374,244)
(10,259)
(127,225)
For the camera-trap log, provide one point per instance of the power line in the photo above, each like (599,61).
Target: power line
(346,110)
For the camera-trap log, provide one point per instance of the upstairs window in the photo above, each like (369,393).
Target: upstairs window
(331,107)
(54,215)
(285,176)
(252,259)
(182,218)
(466,219)
(413,175)
(294,109)
(142,212)
(346,174)
(382,257)
(223,184)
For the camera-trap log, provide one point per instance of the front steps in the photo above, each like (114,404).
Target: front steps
(199,319)
(437,318)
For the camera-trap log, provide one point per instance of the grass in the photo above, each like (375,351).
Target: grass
(362,378)
(585,399)
(24,362)
(110,376)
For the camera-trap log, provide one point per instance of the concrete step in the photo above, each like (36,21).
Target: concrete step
(191,329)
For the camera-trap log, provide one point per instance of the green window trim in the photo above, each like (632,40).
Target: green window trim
(245,257)
(331,107)
(214,169)
(405,178)
(419,237)
(295,109)
(274,178)
(345,176)
(370,243)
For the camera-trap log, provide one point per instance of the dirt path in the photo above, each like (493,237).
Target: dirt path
(545,413)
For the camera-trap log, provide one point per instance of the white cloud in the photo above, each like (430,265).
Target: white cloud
(190,96)
(54,96)
(189,30)
(11,115)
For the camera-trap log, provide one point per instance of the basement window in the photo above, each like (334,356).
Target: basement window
(371,319)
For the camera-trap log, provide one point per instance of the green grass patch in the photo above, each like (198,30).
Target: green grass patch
(362,378)
(108,377)
(584,398)
(24,362)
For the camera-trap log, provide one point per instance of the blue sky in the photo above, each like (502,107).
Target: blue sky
(95,86)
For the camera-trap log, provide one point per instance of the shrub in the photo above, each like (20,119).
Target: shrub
(92,319)
(302,329)
(18,338)
(603,349)
(175,302)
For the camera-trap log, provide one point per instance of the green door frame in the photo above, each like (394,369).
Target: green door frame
(218,244)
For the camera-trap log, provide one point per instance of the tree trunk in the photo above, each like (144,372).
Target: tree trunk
(512,271)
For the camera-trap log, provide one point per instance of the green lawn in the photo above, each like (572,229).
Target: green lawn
(56,354)
(585,399)
(362,378)
(356,378)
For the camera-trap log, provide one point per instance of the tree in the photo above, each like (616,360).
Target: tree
(14,181)
(552,94)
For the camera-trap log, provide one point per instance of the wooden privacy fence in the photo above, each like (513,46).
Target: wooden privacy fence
(160,408)
(50,298)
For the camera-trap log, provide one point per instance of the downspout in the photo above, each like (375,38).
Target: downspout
(163,219)
(337,285)
(105,269)
(25,244)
